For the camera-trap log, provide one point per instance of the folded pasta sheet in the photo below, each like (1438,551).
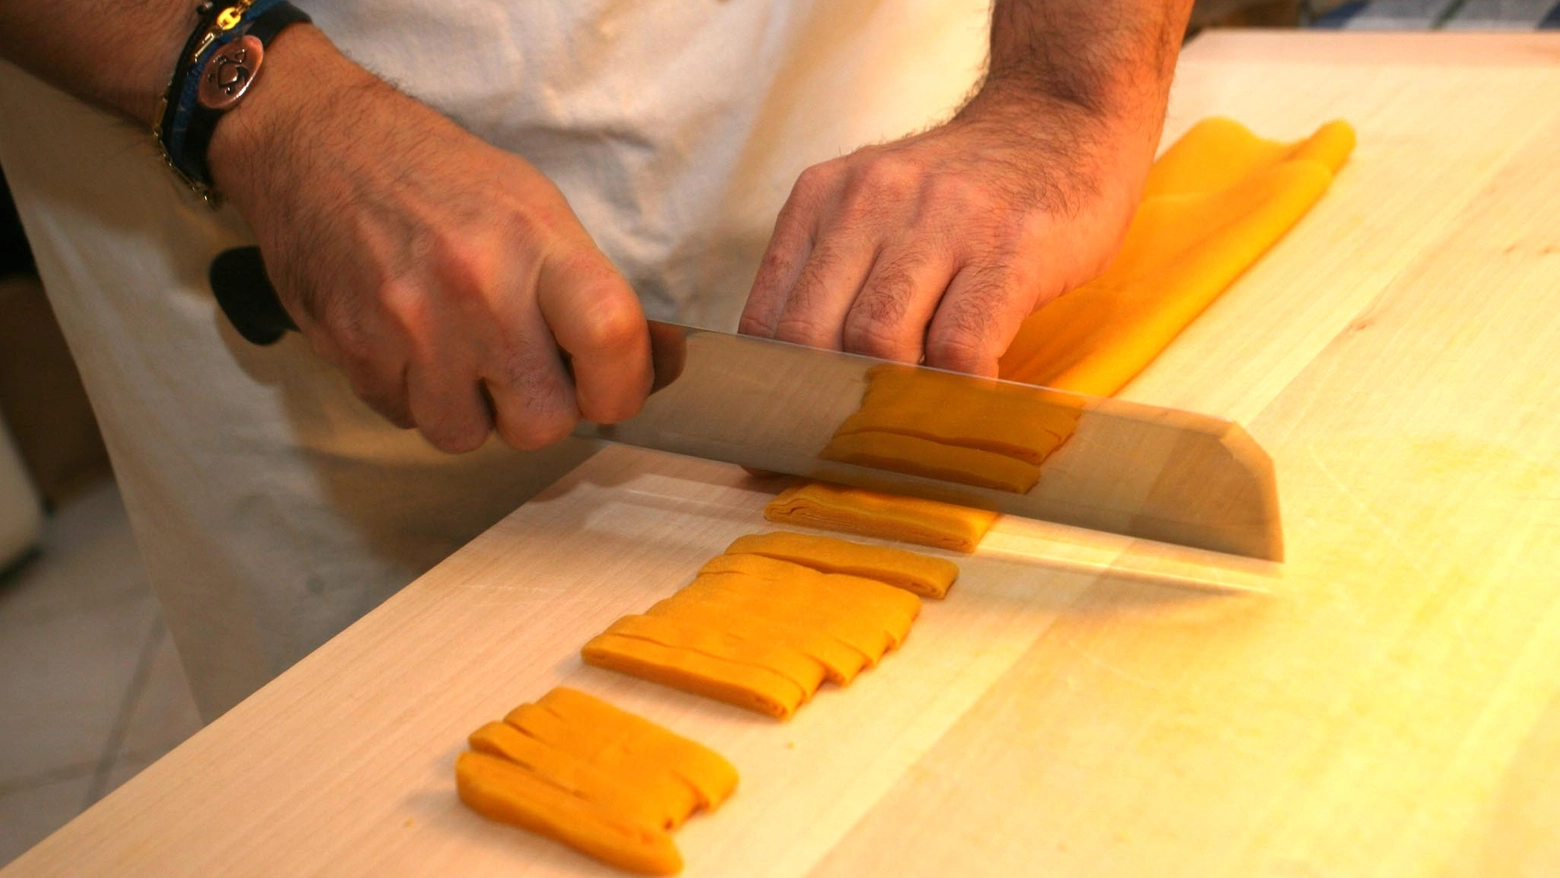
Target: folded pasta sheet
(1213,204)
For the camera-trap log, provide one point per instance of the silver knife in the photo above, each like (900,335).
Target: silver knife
(1142,471)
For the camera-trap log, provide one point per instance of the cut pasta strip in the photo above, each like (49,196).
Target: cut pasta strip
(825,589)
(614,792)
(1026,423)
(863,635)
(817,597)
(712,778)
(868,513)
(841,662)
(503,791)
(920,574)
(934,460)
(607,750)
(796,666)
(738,684)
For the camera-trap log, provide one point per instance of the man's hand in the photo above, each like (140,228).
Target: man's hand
(450,280)
(937,246)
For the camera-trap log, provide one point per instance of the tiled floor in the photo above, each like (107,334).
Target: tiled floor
(91,690)
(1477,15)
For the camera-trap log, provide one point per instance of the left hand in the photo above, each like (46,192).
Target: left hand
(937,246)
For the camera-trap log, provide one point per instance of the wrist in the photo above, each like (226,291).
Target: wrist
(304,73)
(1076,154)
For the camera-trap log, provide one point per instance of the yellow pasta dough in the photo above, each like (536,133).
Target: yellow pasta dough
(601,780)
(618,793)
(935,460)
(1026,423)
(1213,203)
(841,662)
(606,747)
(712,778)
(920,574)
(806,585)
(861,634)
(503,791)
(744,685)
(871,514)
(793,664)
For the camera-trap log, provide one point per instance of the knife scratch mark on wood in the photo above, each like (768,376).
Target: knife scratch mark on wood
(1396,541)
(1393,538)
(1096,660)
(1349,603)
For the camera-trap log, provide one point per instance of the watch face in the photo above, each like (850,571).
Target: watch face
(228,73)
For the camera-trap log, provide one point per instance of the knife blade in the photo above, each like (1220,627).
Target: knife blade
(1104,464)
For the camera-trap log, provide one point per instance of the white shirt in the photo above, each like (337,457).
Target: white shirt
(271,507)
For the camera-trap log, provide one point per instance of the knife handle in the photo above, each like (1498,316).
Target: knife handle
(246,297)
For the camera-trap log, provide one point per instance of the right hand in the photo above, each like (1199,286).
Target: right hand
(449,279)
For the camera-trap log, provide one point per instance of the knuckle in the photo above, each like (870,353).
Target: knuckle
(800,319)
(805,330)
(963,340)
(615,325)
(887,176)
(874,338)
(955,352)
(611,411)
(534,431)
(454,440)
(752,323)
(962,194)
(405,304)
(876,324)
(815,182)
(387,404)
(464,263)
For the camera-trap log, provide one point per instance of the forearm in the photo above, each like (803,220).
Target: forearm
(117,55)
(1110,59)
(120,56)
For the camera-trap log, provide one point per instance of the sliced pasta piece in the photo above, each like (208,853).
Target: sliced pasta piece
(863,635)
(920,574)
(712,777)
(816,598)
(934,460)
(841,662)
(1018,421)
(854,588)
(735,683)
(615,792)
(503,791)
(796,666)
(607,747)
(859,511)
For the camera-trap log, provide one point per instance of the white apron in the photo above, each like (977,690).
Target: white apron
(271,507)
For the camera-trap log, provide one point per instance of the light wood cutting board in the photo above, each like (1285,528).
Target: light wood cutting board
(1390,706)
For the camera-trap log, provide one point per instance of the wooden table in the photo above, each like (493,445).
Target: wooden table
(1390,706)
